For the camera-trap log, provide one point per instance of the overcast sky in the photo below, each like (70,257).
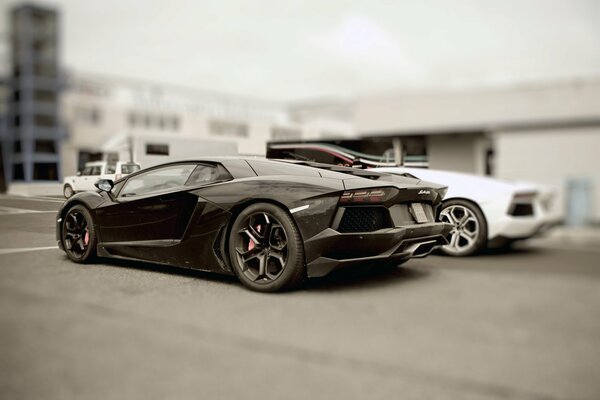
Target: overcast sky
(290,50)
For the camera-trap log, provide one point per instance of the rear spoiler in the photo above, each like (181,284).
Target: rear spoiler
(363,173)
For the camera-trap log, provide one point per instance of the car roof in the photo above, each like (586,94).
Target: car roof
(252,165)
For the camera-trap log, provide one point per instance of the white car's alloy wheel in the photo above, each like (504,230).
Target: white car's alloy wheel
(469,231)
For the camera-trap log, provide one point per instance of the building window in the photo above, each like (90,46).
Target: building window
(45,172)
(149,121)
(85,157)
(227,128)
(489,162)
(285,134)
(17,146)
(44,121)
(45,146)
(415,151)
(88,115)
(18,173)
(45,70)
(44,95)
(157,149)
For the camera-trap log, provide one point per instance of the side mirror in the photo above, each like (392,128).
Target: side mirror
(105,185)
(78,173)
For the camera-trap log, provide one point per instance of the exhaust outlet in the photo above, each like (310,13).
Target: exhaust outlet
(422,249)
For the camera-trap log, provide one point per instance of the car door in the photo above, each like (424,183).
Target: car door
(94,175)
(79,181)
(147,206)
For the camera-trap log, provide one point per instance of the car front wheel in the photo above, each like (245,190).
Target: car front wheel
(470,228)
(78,234)
(266,250)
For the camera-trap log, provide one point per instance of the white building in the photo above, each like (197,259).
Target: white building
(548,133)
(152,123)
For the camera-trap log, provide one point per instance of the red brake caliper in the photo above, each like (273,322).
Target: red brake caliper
(86,237)
(251,243)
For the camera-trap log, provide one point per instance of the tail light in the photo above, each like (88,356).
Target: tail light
(522,204)
(363,196)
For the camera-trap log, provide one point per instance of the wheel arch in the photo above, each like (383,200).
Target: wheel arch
(467,200)
(238,208)
(72,203)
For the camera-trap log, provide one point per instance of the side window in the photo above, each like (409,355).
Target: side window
(111,169)
(97,170)
(203,174)
(87,171)
(157,180)
(129,168)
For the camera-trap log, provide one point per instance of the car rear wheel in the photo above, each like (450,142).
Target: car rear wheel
(266,250)
(470,228)
(78,234)
(68,191)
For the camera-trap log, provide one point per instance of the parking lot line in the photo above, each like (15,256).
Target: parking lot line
(32,198)
(12,210)
(26,249)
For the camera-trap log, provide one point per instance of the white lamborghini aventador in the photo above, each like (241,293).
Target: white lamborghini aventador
(487,212)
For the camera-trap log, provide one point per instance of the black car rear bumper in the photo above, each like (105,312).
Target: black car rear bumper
(331,250)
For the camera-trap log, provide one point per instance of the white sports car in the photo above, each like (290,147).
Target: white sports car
(487,212)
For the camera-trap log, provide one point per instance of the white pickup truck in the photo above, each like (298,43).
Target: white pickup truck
(85,179)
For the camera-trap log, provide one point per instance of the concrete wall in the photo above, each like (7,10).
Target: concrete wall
(456,152)
(552,157)
(455,110)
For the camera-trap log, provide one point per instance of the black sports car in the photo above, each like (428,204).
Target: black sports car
(271,223)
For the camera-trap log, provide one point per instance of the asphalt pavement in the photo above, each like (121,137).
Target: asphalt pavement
(520,324)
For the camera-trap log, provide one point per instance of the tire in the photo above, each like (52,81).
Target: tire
(470,233)
(266,250)
(68,191)
(78,234)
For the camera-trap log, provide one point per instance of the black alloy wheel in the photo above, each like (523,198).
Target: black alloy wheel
(78,234)
(266,250)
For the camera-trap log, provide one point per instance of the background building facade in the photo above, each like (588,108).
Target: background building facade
(150,123)
(32,139)
(547,133)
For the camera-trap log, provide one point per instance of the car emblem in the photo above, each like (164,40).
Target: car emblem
(424,192)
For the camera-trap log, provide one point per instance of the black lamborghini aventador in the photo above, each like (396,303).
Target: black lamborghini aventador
(271,223)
